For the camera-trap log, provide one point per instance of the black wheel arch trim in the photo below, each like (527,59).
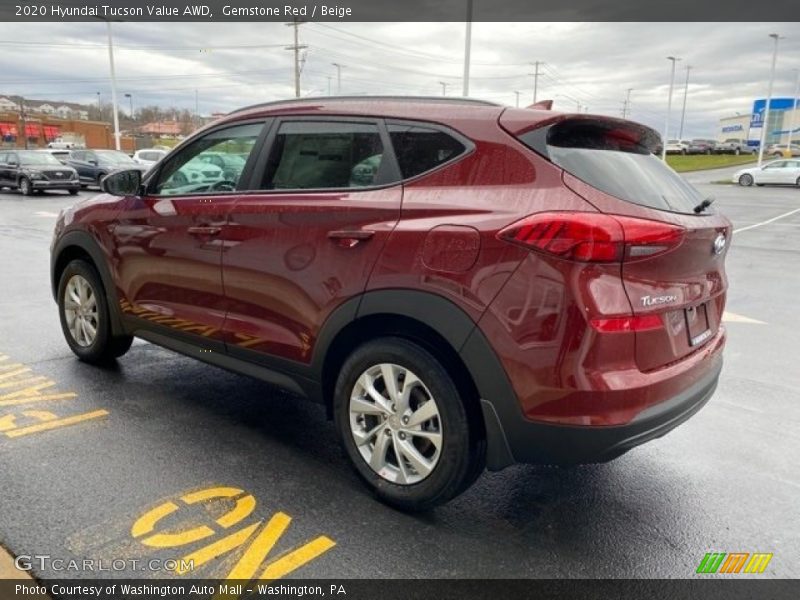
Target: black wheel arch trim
(84,240)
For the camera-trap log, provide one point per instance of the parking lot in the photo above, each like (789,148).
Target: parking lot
(163,457)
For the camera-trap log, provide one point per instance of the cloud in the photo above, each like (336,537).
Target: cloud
(230,65)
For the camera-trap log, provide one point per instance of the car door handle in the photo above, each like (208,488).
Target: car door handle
(204,230)
(350,238)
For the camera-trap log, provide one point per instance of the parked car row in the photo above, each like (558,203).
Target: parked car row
(704,146)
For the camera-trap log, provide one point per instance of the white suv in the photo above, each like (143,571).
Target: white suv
(149,156)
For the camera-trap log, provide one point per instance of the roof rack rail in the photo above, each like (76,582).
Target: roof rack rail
(431,99)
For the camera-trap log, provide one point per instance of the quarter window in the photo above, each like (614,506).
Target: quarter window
(188,172)
(324,155)
(420,149)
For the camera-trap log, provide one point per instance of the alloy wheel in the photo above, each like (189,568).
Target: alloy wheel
(395,423)
(80,311)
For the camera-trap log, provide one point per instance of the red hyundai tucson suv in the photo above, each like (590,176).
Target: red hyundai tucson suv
(462,285)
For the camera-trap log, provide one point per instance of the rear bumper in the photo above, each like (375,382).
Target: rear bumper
(535,442)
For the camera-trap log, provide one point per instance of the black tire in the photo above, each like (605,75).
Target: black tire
(73,192)
(746,180)
(683,151)
(105,347)
(797,183)
(25,186)
(462,455)
(99,179)
(737,152)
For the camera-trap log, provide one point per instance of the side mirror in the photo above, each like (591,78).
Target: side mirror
(11,163)
(92,161)
(122,183)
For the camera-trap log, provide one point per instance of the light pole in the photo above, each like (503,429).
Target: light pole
(99,107)
(444,87)
(517,95)
(685,94)
(467,48)
(669,107)
(130,99)
(113,86)
(794,110)
(765,121)
(338,78)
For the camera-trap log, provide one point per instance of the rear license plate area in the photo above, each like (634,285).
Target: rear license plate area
(697,324)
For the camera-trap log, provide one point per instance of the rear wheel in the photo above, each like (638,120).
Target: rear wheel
(746,180)
(404,425)
(73,192)
(84,314)
(797,183)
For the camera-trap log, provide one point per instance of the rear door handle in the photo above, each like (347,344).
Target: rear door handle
(350,238)
(204,230)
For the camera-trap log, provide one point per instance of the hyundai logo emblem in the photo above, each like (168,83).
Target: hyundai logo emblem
(719,244)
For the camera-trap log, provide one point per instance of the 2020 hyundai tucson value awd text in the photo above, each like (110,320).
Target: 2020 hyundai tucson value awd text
(460,284)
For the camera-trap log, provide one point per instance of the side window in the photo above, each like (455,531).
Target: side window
(777,165)
(190,172)
(3,158)
(420,149)
(78,156)
(324,155)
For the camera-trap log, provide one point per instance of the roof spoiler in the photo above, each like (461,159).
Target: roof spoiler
(542,105)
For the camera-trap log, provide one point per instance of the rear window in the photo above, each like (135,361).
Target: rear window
(616,157)
(420,149)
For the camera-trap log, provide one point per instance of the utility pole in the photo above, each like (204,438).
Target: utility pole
(669,107)
(113,87)
(765,122)
(626,106)
(535,79)
(685,94)
(130,99)
(296,47)
(24,122)
(338,78)
(467,48)
(517,95)
(444,88)
(196,109)
(794,110)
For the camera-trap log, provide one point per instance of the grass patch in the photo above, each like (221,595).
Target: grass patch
(700,162)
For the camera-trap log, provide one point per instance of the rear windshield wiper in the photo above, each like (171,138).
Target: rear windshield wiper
(704,204)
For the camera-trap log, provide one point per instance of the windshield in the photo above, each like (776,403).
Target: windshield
(38,158)
(638,178)
(115,158)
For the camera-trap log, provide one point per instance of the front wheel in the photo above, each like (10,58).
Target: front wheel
(405,426)
(84,314)
(26,187)
(746,180)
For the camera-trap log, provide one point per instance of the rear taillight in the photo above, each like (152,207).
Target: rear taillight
(593,237)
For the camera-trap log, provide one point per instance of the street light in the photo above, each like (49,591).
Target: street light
(765,121)
(467,49)
(794,110)
(669,107)
(130,98)
(517,95)
(685,94)
(444,87)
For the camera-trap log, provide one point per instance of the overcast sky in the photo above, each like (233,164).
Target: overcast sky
(231,65)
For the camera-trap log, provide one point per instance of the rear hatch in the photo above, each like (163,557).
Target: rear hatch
(680,278)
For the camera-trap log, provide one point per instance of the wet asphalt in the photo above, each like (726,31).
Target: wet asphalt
(726,481)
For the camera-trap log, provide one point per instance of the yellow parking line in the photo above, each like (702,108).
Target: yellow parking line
(32,390)
(265,540)
(42,398)
(9,384)
(296,559)
(56,423)
(11,374)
